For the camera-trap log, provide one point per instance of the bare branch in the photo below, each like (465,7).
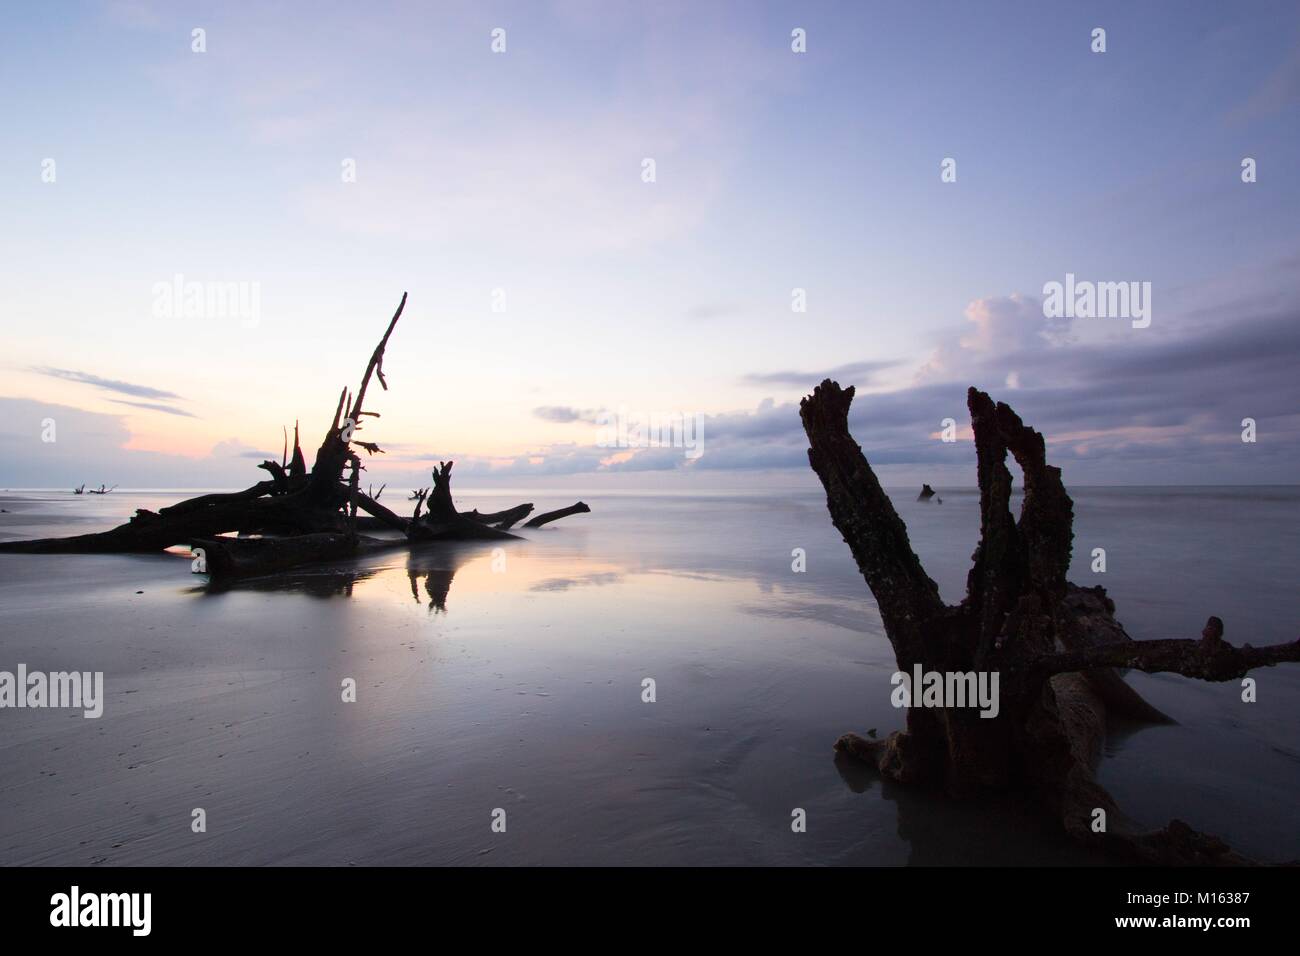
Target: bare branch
(548,516)
(1210,659)
(377,361)
(864,515)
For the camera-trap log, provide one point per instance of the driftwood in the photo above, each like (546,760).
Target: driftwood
(505,520)
(441,521)
(297,516)
(549,516)
(256,557)
(1053,644)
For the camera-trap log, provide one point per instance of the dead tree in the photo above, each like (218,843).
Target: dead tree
(310,516)
(441,521)
(1053,644)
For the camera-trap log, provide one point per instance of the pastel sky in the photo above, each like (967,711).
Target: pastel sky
(522,171)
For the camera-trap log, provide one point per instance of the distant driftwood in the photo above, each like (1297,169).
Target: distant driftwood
(300,516)
(1053,644)
(81,490)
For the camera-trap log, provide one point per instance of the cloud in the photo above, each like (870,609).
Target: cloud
(565,414)
(1161,403)
(155,407)
(91,447)
(855,373)
(108,384)
(234,448)
(997,327)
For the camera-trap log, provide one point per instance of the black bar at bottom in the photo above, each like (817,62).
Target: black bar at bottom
(331,906)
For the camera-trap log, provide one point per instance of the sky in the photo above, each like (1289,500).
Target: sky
(328,157)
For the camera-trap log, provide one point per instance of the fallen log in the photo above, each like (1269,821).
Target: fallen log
(149,531)
(546,518)
(222,558)
(504,520)
(253,557)
(231,497)
(381,516)
(368,524)
(302,515)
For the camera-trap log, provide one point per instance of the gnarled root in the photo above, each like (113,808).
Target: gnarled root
(1053,645)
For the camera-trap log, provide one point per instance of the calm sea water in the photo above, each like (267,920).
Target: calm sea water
(513,681)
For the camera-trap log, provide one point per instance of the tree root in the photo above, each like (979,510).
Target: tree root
(1055,646)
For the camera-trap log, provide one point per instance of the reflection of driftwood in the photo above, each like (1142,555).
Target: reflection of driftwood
(307,515)
(256,557)
(436,568)
(326,581)
(1051,643)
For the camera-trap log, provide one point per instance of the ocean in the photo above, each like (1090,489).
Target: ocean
(502,712)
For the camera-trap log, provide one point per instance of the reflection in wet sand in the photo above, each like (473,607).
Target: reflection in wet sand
(513,678)
(595,578)
(477,568)
(744,616)
(437,567)
(326,581)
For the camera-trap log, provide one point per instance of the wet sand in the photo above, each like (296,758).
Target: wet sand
(521,689)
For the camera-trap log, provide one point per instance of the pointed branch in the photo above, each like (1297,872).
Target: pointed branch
(373,508)
(297,464)
(864,515)
(338,412)
(994,581)
(377,361)
(418,497)
(1047,513)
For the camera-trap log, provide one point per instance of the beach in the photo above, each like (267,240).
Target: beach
(514,680)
